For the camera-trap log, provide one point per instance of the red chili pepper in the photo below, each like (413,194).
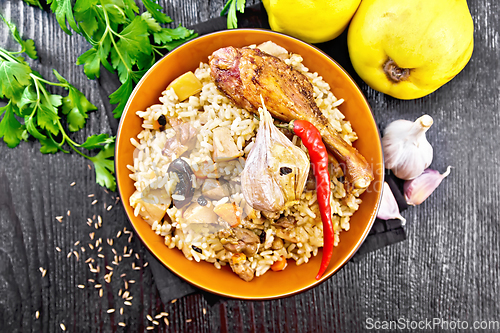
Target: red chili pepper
(311,138)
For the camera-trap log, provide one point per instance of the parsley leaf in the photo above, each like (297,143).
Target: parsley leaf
(155,10)
(14,76)
(105,166)
(91,63)
(49,146)
(11,130)
(64,13)
(121,40)
(34,3)
(153,25)
(28,46)
(47,119)
(41,111)
(97,141)
(120,96)
(132,42)
(29,122)
(166,35)
(75,106)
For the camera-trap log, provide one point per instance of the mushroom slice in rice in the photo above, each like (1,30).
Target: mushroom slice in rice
(238,240)
(243,270)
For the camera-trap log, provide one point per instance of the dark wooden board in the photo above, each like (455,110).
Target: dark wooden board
(448,267)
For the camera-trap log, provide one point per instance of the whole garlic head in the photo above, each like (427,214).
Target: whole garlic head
(406,149)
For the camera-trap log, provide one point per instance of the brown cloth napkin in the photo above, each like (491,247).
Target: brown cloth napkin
(383,233)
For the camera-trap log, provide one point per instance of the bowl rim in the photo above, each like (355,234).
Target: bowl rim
(323,278)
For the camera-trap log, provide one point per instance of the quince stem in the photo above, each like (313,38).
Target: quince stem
(394,72)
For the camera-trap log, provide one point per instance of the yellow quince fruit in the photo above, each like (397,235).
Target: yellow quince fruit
(313,21)
(409,48)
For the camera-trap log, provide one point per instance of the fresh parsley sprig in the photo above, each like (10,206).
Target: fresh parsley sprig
(230,9)
(32,110)
(123,40)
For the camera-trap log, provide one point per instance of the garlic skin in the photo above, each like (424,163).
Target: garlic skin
(406,150)
(420,188)
(389,206)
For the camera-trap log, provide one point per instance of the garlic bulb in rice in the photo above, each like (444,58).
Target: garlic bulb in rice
(275,171)
(406,150)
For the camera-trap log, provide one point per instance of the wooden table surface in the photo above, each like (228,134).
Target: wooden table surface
(448,268)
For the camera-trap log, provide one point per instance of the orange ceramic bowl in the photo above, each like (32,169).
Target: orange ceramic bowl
(204,275)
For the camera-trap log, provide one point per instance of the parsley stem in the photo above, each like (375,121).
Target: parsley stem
(8,55)
(59,144)
(37,78)
(66,138)
(156,50)
(129,70)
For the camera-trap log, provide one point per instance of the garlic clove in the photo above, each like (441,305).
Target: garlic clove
(389,206)
(406,150)
(420,188)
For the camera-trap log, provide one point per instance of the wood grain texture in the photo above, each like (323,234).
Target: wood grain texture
(448,268)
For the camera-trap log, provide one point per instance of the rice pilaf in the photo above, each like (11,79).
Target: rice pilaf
(205,111)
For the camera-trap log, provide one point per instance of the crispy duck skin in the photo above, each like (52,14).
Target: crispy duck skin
(245,74)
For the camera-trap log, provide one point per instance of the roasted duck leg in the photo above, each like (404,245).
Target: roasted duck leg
(245,74)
